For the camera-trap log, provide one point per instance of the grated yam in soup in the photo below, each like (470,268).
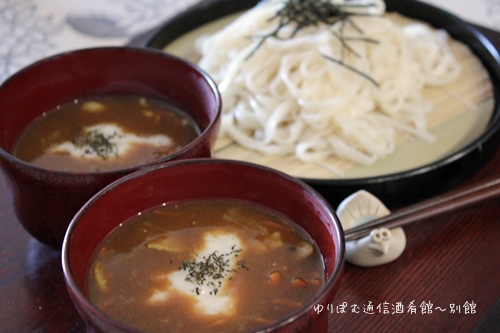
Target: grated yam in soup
(205,266)
(105,133)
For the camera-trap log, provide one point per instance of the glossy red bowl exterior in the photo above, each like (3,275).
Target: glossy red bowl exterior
(202,179)
(46,200)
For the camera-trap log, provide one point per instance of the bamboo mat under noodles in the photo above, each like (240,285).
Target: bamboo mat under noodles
(461,113)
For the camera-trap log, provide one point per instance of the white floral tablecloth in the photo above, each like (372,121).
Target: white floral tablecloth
(34,29)
(485,13)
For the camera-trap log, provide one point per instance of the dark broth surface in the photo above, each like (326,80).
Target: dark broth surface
(205,266)
(105,133)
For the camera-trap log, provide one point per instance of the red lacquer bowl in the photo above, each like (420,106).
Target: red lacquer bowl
(202,179)
(46,200)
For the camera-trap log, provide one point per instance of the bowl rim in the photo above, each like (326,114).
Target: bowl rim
(470,157)
(338,238)
(122,49)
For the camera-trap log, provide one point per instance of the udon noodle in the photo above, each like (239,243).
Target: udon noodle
(292,96)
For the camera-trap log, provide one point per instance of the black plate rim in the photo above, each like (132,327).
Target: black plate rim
(469,159)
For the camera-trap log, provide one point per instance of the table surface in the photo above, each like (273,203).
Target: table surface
(449,272)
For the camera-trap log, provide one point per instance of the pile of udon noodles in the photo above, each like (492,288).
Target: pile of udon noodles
(289,98)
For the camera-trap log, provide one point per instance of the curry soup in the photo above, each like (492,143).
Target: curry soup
(105,133)
(205,266)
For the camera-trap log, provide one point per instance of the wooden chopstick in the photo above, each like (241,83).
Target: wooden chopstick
(432,207)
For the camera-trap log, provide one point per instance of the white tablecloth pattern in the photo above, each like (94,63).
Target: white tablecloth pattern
(33,29)
(485,13)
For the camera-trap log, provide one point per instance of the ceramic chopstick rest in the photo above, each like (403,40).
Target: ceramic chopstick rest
(382,245)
